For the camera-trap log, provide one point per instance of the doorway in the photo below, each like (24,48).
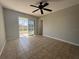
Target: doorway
(26,27)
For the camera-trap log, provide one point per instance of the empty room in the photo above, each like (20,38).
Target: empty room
(39,29)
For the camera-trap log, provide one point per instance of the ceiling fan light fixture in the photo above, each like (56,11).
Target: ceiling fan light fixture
(41,7)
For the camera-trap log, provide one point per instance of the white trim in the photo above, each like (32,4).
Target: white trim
(63,40)
(2,48)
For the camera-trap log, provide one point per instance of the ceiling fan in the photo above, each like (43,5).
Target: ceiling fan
(41,7)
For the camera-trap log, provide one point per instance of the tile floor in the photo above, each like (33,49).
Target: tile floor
(39,47)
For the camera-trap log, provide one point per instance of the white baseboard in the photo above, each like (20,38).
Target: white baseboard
(62,40)
(2,48)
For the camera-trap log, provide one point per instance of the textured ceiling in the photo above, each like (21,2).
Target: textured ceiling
(24,5)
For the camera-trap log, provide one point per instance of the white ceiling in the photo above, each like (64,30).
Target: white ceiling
(24,5)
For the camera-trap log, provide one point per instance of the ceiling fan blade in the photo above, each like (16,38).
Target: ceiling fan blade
(34,6)
(47,9)
(41,11)
(35,10)
(45,4)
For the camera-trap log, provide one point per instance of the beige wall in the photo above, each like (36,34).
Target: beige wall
(2,31)
(11,23)
(63,24)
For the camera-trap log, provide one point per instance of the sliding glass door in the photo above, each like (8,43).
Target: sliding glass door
(26,27)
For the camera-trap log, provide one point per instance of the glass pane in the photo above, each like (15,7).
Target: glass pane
(23,26)
(31,27)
